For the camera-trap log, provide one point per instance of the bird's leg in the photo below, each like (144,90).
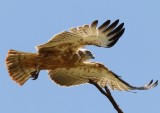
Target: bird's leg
(35,73)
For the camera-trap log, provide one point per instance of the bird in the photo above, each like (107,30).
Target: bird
(68,62)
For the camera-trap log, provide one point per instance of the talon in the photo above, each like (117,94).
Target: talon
(35,74)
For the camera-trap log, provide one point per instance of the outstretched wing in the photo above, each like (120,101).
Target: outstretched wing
(104,36)
(93,71)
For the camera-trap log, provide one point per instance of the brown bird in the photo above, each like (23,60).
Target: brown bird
(67,61)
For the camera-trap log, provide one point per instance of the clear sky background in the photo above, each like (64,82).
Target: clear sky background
(27,23)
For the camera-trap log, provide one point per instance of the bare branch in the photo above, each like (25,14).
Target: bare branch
(108,94)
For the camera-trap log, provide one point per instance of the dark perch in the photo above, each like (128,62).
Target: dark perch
(108,94)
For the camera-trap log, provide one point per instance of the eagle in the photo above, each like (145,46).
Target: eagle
(68,62)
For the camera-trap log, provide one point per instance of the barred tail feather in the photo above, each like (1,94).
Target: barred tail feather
(16,66)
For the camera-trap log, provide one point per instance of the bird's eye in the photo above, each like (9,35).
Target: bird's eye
(80,52)
(88,53)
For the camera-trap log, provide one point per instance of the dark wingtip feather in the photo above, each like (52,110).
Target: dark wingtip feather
(116,30)
(104,25)
(118,35)
(156,83)
(94,23)
(112,26)
(116,21)
(150,85)
(112,43)
(115,38)
(150,82)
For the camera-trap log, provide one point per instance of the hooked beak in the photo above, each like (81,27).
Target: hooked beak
(92,57)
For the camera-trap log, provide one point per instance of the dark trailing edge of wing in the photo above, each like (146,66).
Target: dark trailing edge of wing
(145,87)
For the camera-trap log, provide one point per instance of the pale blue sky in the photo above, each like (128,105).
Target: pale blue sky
(27,23)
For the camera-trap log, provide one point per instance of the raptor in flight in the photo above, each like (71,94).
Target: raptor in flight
(66,60)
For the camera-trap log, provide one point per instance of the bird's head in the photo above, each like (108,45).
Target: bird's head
(85,54)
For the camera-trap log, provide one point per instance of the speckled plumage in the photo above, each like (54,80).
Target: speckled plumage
(66,61)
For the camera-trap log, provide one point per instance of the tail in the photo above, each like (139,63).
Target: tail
(20,65)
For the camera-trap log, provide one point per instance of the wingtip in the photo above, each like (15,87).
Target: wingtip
(122,24)
(156,83)
(123,30)
(150,85)
(117,20)
(95,22)
(150,82)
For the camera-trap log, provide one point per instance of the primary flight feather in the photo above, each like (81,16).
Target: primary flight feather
(66,60)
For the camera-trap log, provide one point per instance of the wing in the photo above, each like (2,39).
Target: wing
(93,71)
(104,36)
